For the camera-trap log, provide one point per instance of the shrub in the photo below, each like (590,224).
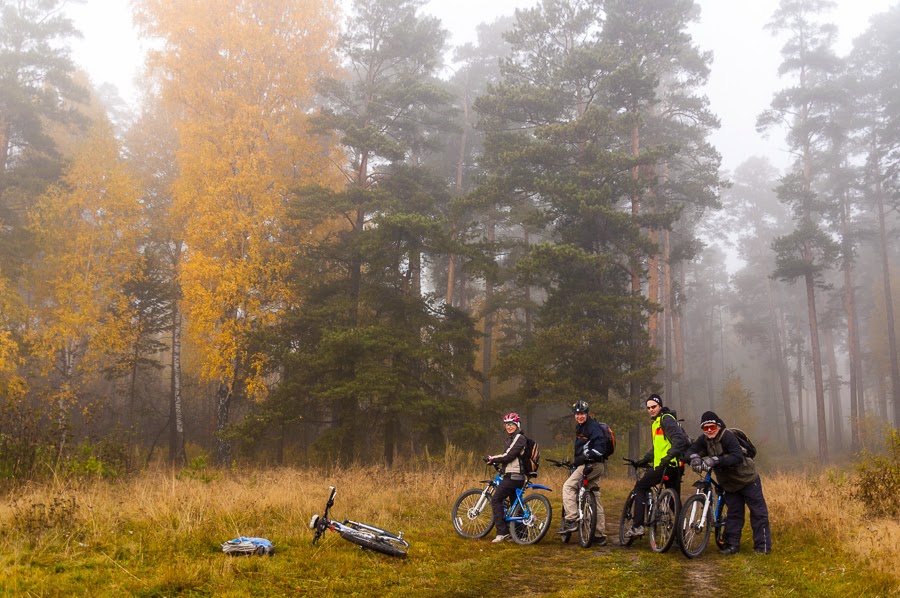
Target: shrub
(878,478)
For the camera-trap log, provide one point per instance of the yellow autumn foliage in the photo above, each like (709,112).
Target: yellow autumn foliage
(88,227)
(241,76)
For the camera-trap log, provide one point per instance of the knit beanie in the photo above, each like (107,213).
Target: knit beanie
(710,417)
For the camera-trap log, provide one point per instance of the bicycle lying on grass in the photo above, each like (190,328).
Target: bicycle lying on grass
(365,536)
(660,517)
(587,504)
(529,516)
(699,511)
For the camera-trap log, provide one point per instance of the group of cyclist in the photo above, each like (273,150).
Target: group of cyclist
(717,449)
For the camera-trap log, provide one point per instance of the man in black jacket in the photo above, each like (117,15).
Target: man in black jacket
(718,449)
(669,444)
(590,442)
(513,478)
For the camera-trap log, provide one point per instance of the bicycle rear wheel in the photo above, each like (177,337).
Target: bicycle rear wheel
(664,520)
(535,520)
(472,516)
(568,535)
(587,519)
(388,546)
(627,521)
(693,529)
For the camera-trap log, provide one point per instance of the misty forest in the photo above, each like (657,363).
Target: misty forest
(333,238)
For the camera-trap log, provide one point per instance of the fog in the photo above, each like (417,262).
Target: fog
(418,248)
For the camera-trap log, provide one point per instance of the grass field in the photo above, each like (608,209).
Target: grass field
(159,534)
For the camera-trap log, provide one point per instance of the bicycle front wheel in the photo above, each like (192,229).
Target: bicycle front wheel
(536,515)
(388,546)
(627,521)
(472,516)
(693,528)
(662,530)
(720,526)
(587,520)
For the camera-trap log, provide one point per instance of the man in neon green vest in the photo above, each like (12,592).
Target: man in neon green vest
(666,454)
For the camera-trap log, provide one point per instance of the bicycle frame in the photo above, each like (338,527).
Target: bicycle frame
(349,529)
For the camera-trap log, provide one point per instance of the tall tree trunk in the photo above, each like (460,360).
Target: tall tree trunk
(634,389)
(668,318)
(710,383)
(801,423)
(223,412)
(176,416)
(852,326)
(834,393)
(653,295)
(486,356)
(888,300)
(678,326)
(817,366)
(783,374)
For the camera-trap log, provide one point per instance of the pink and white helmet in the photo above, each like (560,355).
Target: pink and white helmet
(512,418)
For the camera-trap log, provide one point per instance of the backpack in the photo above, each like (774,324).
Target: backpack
(746,444)
(531,456)
(610,447)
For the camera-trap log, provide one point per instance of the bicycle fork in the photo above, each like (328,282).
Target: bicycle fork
(705,507)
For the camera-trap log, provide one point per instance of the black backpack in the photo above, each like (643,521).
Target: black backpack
(531,456)
(746,444)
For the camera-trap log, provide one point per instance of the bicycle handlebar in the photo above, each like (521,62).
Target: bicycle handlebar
(634,463)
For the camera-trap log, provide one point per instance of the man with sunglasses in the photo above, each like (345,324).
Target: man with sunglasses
(719,450)
(669,444)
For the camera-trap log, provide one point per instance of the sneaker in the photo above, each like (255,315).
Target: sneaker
(500,538)
(762,550)
(568,526)
(729,549)
(600,540)
(635,532)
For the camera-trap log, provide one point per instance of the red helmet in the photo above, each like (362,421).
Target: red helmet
(512,418)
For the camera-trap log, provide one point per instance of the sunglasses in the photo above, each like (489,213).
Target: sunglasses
(709,427)
(649,407)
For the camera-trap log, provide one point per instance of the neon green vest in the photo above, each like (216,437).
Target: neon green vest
(661,444)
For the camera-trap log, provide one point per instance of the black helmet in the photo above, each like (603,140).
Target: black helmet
(580,407)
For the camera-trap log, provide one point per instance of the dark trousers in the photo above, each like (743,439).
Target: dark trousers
(506,489)
(752,497)
(651,479)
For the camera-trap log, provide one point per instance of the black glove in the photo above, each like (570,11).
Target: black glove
(710,462)
(642,463)
(696,463)
(488,459)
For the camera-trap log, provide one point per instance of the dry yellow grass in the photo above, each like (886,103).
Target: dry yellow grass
(821,506)
(157,533)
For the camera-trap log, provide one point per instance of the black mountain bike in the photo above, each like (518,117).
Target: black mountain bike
(661,515)
(365,536)
(586,502)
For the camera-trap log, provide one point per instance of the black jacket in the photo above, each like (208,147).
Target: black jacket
(589,434)
(733,470)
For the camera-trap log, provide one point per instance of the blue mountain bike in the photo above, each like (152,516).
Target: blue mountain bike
(529,516)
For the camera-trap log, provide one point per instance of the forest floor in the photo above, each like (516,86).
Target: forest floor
(159,534)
